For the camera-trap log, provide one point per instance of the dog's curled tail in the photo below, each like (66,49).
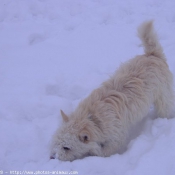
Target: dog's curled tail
(150,40)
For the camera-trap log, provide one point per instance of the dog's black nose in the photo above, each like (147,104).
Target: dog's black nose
(52,157)
(66,148)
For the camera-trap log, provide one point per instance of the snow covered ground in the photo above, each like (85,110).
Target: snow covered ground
(53,53)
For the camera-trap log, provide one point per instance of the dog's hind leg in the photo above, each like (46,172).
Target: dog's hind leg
(164,102)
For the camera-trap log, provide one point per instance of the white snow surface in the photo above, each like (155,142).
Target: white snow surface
(53,53)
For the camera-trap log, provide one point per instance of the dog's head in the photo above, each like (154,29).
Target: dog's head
(75,139)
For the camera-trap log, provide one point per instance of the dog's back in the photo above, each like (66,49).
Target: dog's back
(146,79)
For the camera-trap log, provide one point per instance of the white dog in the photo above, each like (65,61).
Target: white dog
(99,125)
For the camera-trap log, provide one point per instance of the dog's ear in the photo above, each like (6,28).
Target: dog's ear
(64,116)
(84,137)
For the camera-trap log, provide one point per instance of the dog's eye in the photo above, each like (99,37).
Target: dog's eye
(66,148)
(85,138)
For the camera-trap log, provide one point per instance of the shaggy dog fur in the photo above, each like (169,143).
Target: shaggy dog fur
(99,125)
